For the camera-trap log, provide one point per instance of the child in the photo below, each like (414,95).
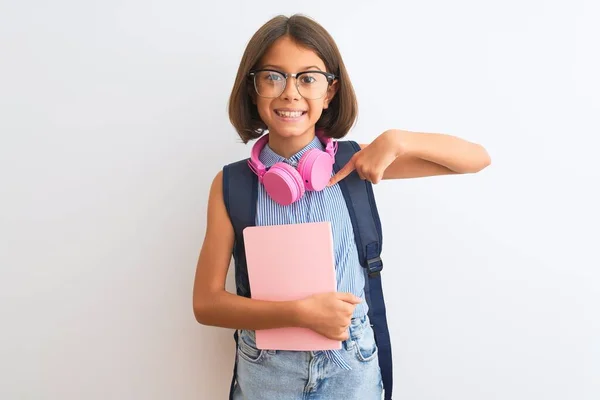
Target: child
(292,90)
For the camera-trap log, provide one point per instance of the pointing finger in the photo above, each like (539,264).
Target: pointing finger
(342,173)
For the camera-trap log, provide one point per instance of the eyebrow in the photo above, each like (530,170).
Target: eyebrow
(281,68)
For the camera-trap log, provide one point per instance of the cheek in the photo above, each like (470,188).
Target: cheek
(263,109)
(316,108)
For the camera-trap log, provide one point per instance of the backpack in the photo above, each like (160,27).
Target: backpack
(240,193)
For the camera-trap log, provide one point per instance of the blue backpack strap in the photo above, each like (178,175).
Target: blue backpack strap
(359,198)
(240,193)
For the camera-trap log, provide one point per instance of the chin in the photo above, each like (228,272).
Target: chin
(290,131)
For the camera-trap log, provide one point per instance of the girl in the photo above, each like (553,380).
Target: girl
(293,85)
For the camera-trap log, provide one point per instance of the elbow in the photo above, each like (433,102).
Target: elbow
(201,310)
(482,161)
(485,160)
(200,315)
(483,164)
(206,307)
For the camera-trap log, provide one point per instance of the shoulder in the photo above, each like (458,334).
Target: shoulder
(347,142)
(236,164)
(348,146)
(216,188)
(239,166)
(221,180)
(217,212)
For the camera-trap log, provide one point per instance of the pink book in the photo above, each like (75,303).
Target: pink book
(290,262)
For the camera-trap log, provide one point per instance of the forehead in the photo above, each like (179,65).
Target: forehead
(290,56)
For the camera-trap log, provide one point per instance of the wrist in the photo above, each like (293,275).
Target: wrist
(299,313)
(398,141)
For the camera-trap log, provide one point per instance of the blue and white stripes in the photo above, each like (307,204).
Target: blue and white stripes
(326,205)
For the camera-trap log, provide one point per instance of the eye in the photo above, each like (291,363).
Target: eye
(273,77)
(308,79)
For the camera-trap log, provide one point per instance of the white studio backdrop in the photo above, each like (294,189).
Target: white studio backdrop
(113,124)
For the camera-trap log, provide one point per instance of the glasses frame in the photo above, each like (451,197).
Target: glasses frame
(328,75)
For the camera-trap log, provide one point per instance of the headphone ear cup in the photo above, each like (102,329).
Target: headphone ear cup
(283,184)
(315,168)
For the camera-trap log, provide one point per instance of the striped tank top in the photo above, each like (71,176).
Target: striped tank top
(326,205)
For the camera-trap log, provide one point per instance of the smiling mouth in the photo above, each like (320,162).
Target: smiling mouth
(290,114)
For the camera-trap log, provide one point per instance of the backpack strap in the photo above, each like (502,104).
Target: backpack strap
(359,197)
(240,193)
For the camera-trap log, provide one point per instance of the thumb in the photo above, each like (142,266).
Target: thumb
(349,298)
(342,173)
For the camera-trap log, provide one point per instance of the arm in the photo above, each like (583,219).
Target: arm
(212,304)
(397,154)
(428,154)
(327,313)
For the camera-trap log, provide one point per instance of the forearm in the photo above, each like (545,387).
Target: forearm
(228,310)
(452,152)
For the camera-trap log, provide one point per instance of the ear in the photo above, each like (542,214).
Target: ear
(331,92)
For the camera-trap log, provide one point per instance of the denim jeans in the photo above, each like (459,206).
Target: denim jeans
(310,375)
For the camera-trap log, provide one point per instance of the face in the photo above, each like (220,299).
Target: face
(290,114)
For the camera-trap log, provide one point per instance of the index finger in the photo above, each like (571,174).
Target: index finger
(342,173)
(349,298)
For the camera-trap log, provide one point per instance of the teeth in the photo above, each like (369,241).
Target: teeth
(290,114)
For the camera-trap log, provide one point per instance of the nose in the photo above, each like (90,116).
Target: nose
(291,91)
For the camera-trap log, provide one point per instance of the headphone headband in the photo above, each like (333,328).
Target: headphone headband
(260,169)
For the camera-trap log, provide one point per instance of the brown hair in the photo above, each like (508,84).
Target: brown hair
(342,112)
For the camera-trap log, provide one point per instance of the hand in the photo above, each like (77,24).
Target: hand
(329,314)
(371,162)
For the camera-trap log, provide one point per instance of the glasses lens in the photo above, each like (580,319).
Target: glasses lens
(312,85)
(269,83)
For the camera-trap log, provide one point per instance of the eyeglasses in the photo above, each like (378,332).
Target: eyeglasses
(311,85)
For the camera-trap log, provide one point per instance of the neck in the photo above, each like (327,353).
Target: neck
(288,146)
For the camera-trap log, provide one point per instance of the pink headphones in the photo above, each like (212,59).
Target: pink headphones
(286,184)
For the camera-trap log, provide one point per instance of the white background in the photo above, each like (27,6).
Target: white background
(107,110)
